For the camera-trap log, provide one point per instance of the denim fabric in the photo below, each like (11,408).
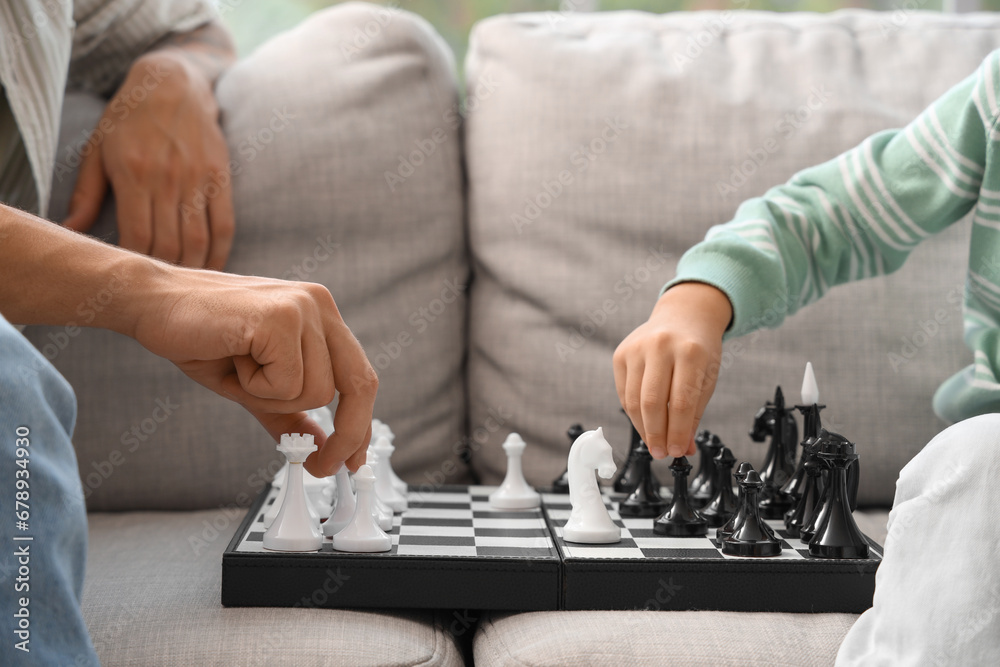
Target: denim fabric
(43,559)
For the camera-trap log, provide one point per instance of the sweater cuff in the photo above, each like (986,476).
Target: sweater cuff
(753,306)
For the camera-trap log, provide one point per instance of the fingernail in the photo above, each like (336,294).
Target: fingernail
(676,451)
(657,452)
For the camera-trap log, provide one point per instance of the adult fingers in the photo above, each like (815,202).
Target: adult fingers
(194,229)
(135,216)
(166,225)
(222,223)
(88,193)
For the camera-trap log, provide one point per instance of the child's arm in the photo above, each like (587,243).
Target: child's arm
(856,216)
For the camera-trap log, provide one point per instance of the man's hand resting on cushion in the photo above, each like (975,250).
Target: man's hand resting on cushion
(276,347)
(160,148)
(665,370)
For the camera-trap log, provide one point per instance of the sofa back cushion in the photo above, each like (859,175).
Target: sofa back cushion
(599,147)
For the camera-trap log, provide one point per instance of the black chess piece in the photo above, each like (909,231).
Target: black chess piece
(737,518)
(701,440)
(723,505)
(776,420)
(628,478)
(801,515)
(810,429)
(838,536)
(561,485)
(752,537)
(681,520)
(645,500)
(706,491)
(823,488)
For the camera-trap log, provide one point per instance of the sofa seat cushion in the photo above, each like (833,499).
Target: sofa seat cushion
(656,635)
(152,598)
(601,146)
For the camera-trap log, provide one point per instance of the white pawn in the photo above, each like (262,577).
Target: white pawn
(384,488)
(514,493)
(343,510)
(293,529)
(381,511)
(383,429)
(362,534)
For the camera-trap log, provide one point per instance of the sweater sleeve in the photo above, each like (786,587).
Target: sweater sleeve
(856,216)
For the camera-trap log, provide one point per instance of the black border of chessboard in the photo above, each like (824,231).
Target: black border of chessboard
(339,580)
(716,583)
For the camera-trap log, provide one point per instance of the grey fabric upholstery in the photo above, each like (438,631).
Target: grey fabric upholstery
(152,598)
(607,144)
(313,127)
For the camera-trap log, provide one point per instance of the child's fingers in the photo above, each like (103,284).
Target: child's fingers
(633,395)
(653,404)
(685,396)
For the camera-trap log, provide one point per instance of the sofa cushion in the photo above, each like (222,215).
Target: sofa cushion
(601,146)
(315,119)
(152,598)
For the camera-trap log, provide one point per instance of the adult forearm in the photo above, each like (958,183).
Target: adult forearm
(50,275)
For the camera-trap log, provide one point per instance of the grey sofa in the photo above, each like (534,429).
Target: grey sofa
(489,267)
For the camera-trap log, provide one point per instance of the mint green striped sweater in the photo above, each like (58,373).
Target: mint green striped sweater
(860,214)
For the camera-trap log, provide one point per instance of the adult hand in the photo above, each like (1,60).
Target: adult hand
(666,370)
(159,146)
(276,347)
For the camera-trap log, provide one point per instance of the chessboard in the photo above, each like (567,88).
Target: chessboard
(450,550)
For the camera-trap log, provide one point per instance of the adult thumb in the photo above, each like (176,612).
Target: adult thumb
(88,194)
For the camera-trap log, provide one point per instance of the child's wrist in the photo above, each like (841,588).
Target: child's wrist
(708,300)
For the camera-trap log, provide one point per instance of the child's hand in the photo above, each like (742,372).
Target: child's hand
(665,370)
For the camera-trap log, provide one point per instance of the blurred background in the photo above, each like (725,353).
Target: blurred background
(254,21)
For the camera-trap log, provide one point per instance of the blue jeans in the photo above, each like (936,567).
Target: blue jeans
(43,520)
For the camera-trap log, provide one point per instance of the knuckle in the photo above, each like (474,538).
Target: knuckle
(682,404)
(651,401)
(137,163)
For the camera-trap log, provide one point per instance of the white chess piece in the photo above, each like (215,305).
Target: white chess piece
(362,534)
(381,511)
(384,488)
(315,509)
(589,521)
(381,428)
(293,529)
(810,390)
(514,493)
(343,509)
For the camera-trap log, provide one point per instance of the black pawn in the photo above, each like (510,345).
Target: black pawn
(706,491)
(645,500)
(701,441)
(737,518)
(753,537)
(723,504)
(838,536)
(800,515)
(681,520)
(561,485)
(628,478)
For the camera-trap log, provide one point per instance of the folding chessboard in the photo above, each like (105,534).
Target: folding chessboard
(451,550)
